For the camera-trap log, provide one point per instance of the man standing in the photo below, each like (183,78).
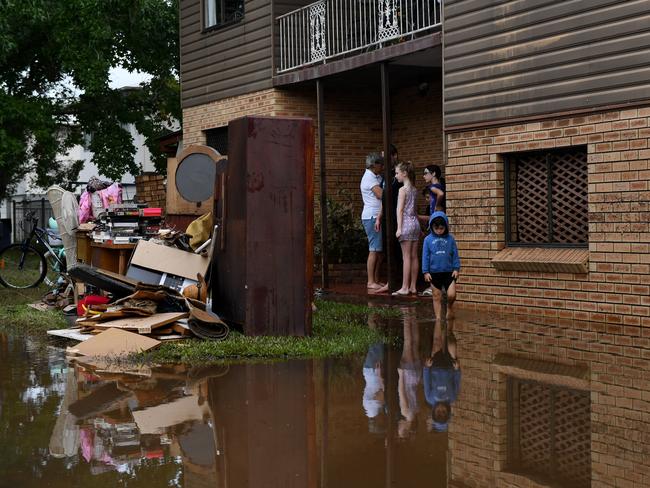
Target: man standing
(372,192)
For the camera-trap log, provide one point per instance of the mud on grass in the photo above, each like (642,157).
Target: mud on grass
(338,329)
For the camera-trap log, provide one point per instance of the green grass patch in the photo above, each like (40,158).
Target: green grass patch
(17,317)
(338,329)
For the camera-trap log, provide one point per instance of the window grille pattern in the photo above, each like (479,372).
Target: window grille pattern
(547,196)
(549,433)
(217,139)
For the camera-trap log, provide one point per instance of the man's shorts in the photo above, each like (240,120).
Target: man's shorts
(440,280)
(374,238)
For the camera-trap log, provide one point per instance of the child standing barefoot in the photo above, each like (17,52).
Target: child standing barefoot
(441,263)
(408,228)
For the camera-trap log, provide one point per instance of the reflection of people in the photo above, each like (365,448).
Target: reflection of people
(408,228)
(441,378)
(441,263)
(373,394)
(409,373)
(371,193)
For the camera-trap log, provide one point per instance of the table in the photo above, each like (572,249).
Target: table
(106,255)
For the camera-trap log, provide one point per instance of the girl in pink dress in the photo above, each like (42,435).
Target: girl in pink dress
(408,228)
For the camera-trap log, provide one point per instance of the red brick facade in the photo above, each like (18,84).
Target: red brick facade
(150,188)
(616,288)
(353,127)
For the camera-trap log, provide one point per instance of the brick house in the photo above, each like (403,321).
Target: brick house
(538,111)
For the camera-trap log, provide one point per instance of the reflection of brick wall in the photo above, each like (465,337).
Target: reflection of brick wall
(150,188)
(617,287)
(614,359)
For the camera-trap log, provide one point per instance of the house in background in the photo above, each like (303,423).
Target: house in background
(538,110)
(28,197)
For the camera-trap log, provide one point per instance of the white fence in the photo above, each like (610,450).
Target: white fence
(330,28)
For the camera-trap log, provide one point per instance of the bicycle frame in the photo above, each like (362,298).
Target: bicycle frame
(41,236)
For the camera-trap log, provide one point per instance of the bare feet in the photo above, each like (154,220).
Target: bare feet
(373,286)
(400,293)
(382,289)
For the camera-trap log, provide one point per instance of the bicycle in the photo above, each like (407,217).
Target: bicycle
(24,265)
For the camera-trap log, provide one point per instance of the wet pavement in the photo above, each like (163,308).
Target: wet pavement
(485,401)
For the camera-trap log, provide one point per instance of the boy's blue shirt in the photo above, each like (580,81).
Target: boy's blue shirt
(441,384)
(440,254)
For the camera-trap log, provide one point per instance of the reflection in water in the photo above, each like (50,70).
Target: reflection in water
(543,402)
(409,375)
(442,376)
(284,424)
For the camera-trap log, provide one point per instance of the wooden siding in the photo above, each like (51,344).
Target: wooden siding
(228,61)
(524,58)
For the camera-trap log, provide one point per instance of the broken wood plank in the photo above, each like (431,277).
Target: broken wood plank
(141,325)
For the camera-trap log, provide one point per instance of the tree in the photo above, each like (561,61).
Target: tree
(55,59)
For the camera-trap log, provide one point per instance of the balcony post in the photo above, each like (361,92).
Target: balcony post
(320,107)
(389,210)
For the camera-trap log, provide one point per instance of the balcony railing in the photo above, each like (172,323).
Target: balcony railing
(331,28)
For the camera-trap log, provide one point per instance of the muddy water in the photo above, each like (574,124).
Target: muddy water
(486,401)
(357,421)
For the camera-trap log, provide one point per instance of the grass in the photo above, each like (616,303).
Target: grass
(16,316)
(338,329)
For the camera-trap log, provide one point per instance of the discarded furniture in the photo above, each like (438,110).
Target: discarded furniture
(105,255)
(263,258)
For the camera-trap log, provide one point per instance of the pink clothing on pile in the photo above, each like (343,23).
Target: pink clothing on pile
(410,224)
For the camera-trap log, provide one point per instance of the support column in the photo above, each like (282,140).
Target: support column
(389,210)
(325,281)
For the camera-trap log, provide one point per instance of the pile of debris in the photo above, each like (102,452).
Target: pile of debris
(163,296)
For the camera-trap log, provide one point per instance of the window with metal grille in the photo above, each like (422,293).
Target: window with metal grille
(222,12)
(549,433)
(546,198)
(217,139)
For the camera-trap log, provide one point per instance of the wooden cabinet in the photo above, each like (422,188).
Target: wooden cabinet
(263,263)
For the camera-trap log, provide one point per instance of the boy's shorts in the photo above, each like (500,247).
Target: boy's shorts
(440,280)
(375,243)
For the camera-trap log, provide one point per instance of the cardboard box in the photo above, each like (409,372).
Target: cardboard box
(158,264)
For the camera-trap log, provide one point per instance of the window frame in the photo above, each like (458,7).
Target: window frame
(204,12)
(510,159)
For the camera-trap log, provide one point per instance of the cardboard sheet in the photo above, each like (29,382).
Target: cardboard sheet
(141,325)
(113,342)
(73,334)
(169,260)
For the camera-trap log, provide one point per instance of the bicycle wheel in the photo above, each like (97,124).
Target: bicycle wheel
(20,269)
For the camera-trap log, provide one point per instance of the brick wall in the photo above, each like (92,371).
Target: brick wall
(617,376)
(617,286)
(150,188)
(353,127)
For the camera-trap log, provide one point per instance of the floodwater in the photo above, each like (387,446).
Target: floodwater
(486,401)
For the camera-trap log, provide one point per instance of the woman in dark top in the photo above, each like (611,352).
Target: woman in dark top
(436,187)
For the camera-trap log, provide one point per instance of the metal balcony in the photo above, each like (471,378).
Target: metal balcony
(335,28)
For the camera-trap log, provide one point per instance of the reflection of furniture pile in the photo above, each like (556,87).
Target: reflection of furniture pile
(127,415)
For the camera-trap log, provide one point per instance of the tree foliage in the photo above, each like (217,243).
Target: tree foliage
(55,59)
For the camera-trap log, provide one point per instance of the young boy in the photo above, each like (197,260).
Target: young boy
(440,263)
